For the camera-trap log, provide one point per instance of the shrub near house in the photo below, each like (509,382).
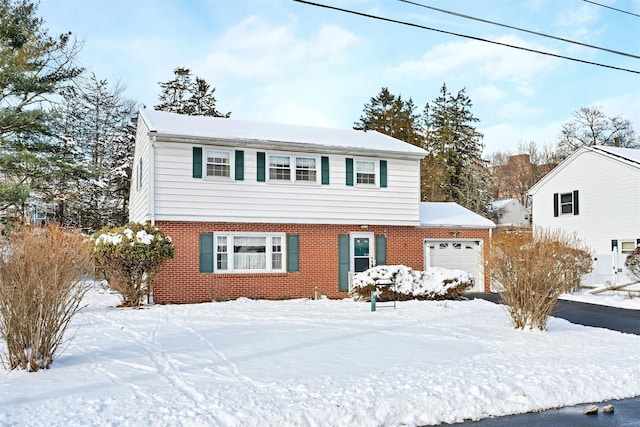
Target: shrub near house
(130,257)
(402,283)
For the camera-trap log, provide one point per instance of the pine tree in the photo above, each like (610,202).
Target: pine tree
(454,163)
(95,118)
(182,95)
(33,68)
(390,115)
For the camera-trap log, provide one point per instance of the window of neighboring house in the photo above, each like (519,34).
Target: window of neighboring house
(139,180)
(627,246)
(566,203)
(365,172)
(218,163)
(252,253)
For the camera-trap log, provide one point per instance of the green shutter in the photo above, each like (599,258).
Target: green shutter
(381,249)
(261,166)
(324,160)
(383,174)
(343,262)
(197,162)
(349,169)
(293,252)
(239,165)
(206,253)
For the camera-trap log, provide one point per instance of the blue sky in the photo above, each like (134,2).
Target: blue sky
(282,61)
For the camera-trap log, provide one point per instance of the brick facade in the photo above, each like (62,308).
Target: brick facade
(180,280)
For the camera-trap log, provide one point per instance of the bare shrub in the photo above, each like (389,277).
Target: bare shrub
(532,269)
(130,258)
(632,264)
(40,292)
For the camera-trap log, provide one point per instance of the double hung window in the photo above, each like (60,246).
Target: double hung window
(365,172)
(566,203)
(292,168)
(218,163)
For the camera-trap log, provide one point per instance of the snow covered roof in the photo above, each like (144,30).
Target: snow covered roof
(499,204)
(630,154)
(172,124)
(451,214)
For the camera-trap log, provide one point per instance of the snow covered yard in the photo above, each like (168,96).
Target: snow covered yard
(306,362)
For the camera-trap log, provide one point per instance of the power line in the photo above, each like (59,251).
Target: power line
(519,29)
(410,24)
(612,8)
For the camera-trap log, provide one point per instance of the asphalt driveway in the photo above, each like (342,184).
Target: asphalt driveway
(627,411)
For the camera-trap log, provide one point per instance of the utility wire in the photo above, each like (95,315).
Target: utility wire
(519,29)
(612,8)
(410,24)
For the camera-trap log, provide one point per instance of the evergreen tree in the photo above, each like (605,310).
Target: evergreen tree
(391,115)
(33,68)
(95,118)
(184,96)
(454,167)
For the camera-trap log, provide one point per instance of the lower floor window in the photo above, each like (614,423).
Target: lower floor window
(249,252)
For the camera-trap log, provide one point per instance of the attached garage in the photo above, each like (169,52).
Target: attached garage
(455,247)
(456,254)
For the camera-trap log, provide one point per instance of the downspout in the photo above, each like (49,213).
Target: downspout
(152,180)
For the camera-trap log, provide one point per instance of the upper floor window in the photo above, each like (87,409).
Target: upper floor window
(218,163)
(566,203)
(365,172)
(306,169)
(292,168)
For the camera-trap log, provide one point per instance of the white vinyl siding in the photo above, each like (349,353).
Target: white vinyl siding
(179,197)
(139,208)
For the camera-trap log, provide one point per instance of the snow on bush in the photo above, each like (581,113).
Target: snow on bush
(130,257)
(433,284)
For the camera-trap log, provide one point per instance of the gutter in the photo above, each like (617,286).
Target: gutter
(152,187)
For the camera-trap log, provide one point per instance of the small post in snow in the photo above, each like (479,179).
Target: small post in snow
(373,300)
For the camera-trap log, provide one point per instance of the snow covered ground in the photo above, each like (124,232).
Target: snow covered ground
(314,363)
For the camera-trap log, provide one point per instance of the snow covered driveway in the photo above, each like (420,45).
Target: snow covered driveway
(304,362)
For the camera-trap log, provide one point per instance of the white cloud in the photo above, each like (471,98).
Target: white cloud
(488,94)
(254,49)
(492,62)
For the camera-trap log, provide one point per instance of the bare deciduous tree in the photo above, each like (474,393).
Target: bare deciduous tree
(590,126)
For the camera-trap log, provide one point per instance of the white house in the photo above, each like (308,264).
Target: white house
(278,211)
(595,193)
(509,213)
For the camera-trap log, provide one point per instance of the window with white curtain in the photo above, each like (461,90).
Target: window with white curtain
(250,252)
(365,172)
(218,163)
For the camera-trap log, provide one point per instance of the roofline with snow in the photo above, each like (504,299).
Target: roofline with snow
(281,145)
(578,152)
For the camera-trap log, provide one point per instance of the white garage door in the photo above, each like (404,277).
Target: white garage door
(456,254)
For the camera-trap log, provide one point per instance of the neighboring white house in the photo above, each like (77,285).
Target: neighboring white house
(509,213)
(595,193)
